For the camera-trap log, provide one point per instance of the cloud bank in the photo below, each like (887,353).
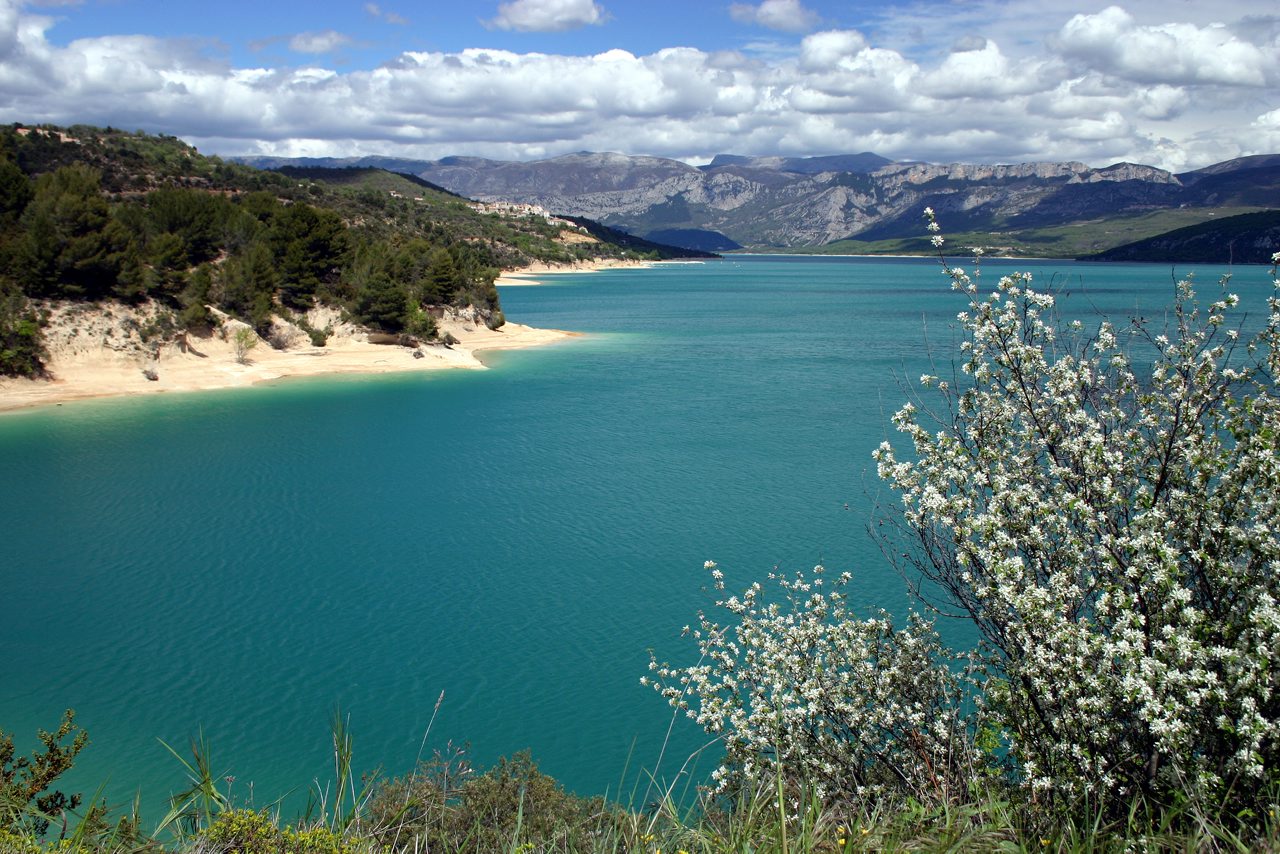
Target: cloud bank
(1102,88)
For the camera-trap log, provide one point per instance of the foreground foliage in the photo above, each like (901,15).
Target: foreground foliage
(1103,507)
(446,805)
(27,796)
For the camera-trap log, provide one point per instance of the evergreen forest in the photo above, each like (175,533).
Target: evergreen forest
(90,214)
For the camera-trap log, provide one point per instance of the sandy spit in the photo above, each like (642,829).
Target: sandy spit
(101,351)
(532,274)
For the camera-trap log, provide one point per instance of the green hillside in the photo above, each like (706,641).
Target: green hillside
(1073,240)
(1245,239)
(103,214)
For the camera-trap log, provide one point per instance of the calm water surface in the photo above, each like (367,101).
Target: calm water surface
(517,539)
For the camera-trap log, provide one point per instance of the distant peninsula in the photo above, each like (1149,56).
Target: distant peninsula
(131,263)
(1244,239)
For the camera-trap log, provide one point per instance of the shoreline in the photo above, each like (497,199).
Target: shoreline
(528,275)
(966,258)
(95,353)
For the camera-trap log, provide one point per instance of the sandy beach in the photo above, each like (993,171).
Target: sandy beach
(101,352)
(532,274)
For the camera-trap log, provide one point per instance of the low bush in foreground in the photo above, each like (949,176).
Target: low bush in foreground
(447,806)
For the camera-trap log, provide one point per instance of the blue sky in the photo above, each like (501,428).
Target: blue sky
(1170,83)
(251,32)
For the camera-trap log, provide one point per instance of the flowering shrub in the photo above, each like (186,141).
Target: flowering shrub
(1113,533)
(852,706)
(1114,538)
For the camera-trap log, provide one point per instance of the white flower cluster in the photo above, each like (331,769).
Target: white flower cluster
(1114,537)
(1112,533)
(801,686)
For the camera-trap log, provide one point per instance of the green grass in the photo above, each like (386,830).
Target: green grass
(446,805)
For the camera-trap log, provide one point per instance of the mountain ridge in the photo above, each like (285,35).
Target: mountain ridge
(789,203)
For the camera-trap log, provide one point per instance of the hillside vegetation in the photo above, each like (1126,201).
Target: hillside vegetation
(89,214)
(1249,238)
(1074,240)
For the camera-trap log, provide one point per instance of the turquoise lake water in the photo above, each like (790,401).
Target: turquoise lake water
(244,561)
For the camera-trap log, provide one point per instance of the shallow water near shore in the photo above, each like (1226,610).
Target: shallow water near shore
(517,539)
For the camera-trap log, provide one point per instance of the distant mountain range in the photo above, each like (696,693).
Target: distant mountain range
(863,201)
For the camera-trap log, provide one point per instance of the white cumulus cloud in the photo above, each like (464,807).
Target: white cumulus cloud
(1092,92)
(981,73)
(1175,53)
(823,51)
(322,41)
(547,16)
(788,16)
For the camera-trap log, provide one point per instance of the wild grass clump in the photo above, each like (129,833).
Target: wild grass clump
(446,805)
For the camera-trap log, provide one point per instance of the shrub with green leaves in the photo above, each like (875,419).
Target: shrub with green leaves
(22,350)
(27,800)
(445,806)
(244,831)
(1103,506)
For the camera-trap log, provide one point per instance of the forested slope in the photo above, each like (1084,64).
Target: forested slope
(95,214)
(1245,239)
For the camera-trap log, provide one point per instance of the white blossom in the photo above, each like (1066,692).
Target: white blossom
(1093,521)
(1110,524)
